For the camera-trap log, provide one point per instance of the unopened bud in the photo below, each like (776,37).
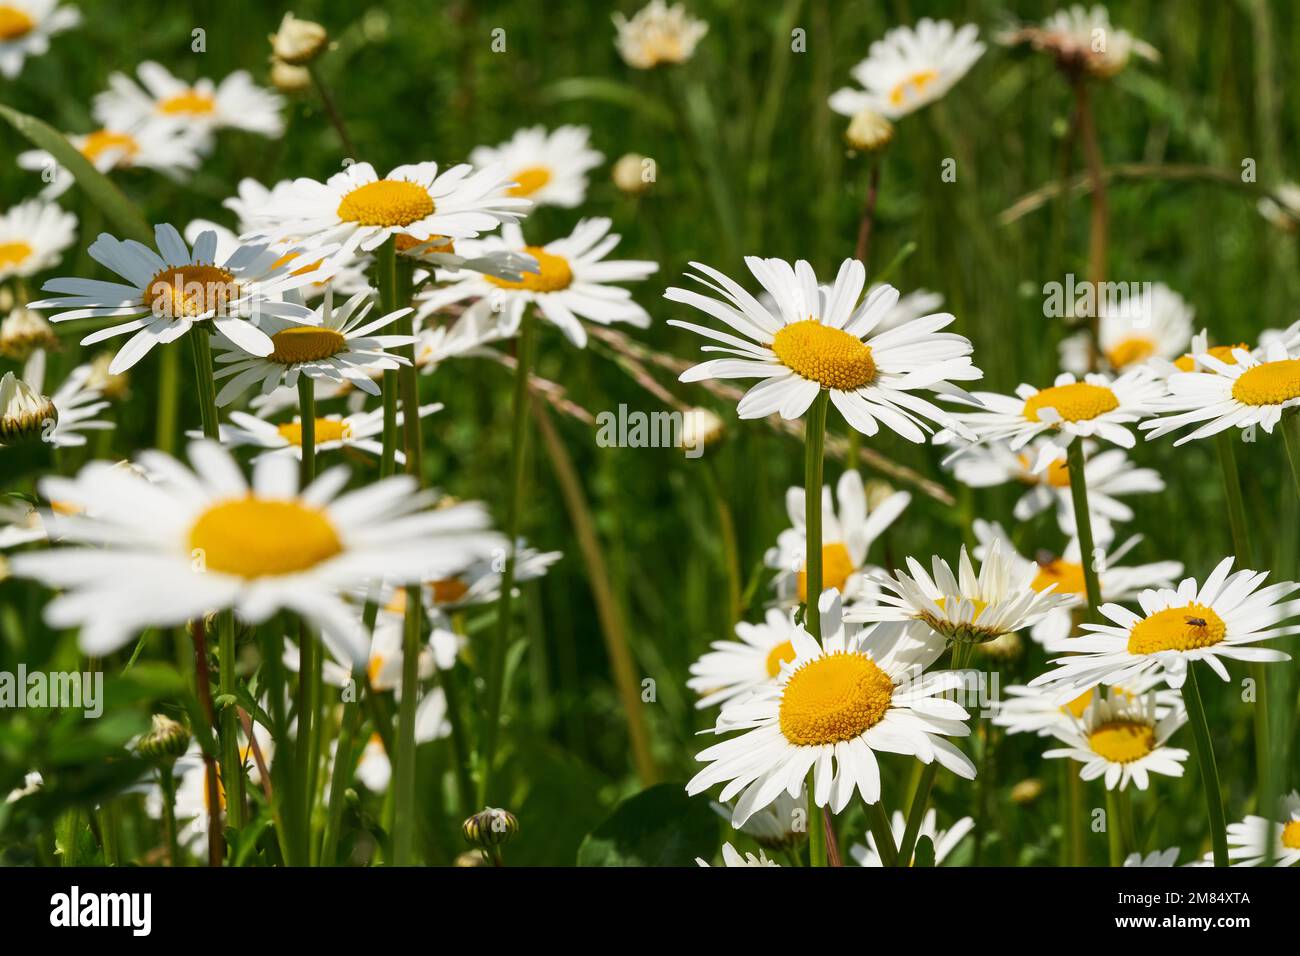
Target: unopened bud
(165,741)
(869,131)
(490,827)
(298,42)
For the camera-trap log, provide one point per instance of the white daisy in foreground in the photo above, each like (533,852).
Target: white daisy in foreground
(1153,325)
(1109,475)
(945,841)
(910,68)
(65,414)
(847,535)
(336,346)
(164,149)
(26,27)
(200,108)
(168,291)
(359,210)
(1098,407)
(1248,841)
(734,668)
(573,281)
(829,711)
(732,857)
(966,607)
(33,235)
(1063,574)
(147,553)
(1214,622)
(914,305)
(1247,392)
(813,340)
(1038,710)
(548,168)
(1156,858)
(658,33)
(1120,738)
(1082,37)
(357,430)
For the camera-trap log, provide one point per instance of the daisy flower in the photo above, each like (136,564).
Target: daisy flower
(1155,325)
(780,825)
(357,430)
(33,235)
(200,108)
(829,711)
(734,668)
(164,149)
(359,210)
(1156,858)
(1098,406)
(548,168)
(732,857)
(478,583)
(1248,840)
(658,33)
(813,341)
(1243,393)
(1037,710)
(964,607)
(1109,475)
(336,345)
(470,334)
(1188,362)
(1121,739)
(75,403)
(26,27)
(944,841)
(1082,38)
(147,553)
(573,281)
(168,291)
(847,536)
(910,68)
(1063,573)
(24,332)
(1213,622)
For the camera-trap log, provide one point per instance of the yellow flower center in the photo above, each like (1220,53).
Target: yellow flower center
(1177,629)
(14,23)
(188,103)
(447,590)
(783,653)
(386,202)
(829,356)
(327,429)
(14,253)
(1066,575)
(834,698)
(189,291)
(1291,835)
(1123,741)
(1076,402)
(1187,363)
(1079,704)
(528,181)
(305,343)
(1130,351)
(552,275)
(101,141)
(1269,384)
(255,537)
(917,82)
(836,568)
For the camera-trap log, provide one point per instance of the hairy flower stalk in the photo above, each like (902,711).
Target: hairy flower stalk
(819,830)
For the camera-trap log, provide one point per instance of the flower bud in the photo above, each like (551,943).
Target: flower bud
(23,332)
(633,174)
(298,42)
(165,741)
(869,131)
(288,78)
(113,386)
(1027,790)
(490,827)
(24,414)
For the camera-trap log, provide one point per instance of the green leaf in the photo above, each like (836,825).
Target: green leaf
(610,91)
(99,188)
(660,826)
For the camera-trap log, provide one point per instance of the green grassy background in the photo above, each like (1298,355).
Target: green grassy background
(750,161)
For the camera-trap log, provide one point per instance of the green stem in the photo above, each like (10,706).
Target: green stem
(167,783)
(1083,522)
(201,350)
(344,764)
(878,820)
(814,443)
(307,422)
(169,371)
(501,637)
(816,827)
(1204,749)
(1114,828)
(304,748)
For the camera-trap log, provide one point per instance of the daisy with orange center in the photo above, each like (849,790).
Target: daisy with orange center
(732,669)
(550,168)
(33,235)
(26,27)
(847,535)
(1216,622)
(909,68)
(1121,739)
(829,711)
(148,145)
(812,340)
(1036,710)
(1152,327)
(1248,841)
